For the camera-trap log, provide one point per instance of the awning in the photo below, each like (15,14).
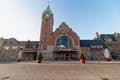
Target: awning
(30,51)
(65,50)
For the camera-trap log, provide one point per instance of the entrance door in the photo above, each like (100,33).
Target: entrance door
(65,56)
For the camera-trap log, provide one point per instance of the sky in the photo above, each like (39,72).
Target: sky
(21,19)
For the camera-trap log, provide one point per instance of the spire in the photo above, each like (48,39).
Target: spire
(48,10)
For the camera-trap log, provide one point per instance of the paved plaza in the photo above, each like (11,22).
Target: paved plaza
(60,70)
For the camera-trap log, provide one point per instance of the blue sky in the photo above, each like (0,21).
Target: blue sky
(21,19)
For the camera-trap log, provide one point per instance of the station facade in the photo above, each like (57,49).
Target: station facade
(61,44)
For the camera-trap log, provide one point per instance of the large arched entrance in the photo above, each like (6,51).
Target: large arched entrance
(64,42)
(65,49)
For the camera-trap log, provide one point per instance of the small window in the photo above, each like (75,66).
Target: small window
(45,39)
(63,31)
(14,48)
(44,47)
(6,48)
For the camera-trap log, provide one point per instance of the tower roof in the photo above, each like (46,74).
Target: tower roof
(48,10)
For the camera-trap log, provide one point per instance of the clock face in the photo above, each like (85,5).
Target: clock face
(47,15)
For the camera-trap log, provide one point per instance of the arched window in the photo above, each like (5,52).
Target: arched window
(64,42)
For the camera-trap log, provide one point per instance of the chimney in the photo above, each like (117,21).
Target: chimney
(115,33)
(97,35)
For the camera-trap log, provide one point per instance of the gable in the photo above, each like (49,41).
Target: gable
(64,30)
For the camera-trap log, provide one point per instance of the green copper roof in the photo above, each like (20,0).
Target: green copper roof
(48,10)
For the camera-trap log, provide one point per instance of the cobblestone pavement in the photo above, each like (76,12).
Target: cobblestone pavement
(60,70)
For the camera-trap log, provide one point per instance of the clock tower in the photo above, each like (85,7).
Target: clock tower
(46,28)
(59,43)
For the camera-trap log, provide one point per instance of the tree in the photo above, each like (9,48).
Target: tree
(39,56)
(82,56)
(112,51)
